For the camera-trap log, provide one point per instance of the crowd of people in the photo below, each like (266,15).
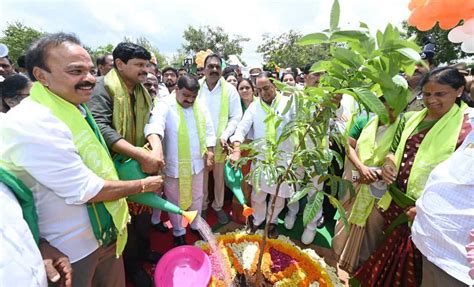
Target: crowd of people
(65,118)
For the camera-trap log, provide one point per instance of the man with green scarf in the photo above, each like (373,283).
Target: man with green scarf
(256,118)
(121,107)
(183,125)
(223,102)
(52,144)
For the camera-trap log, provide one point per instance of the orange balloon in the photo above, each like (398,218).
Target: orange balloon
(416,4)
(426,25)
(448,23)
(415,17)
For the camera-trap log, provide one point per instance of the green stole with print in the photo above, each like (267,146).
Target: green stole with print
(219,155)
(184,153)
(270,120)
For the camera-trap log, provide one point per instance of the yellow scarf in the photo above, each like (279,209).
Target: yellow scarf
(438,144)
(128,122)
(184,153)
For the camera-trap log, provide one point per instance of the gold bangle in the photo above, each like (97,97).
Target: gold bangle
(142,182)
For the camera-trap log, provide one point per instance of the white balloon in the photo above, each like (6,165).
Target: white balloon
(468,27)
(468,46)
(457,35)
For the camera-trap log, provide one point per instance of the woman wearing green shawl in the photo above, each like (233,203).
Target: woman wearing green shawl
(421,142)
(369,142)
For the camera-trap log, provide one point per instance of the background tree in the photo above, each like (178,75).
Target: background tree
(214,38)
(284,51)
(446,51)
(143,41)
(18,38)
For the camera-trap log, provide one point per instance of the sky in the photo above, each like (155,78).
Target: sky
(98,23)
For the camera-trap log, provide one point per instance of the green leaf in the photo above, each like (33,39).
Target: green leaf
(363,25)
(338,205)
(312,208)
(348,35)
(369,99)
(335,13)
(320,66)
(348,57)
(312,39)
(256,180)
(410,54)
(300,194)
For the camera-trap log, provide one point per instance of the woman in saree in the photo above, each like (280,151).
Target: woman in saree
(422,141)
(369,141)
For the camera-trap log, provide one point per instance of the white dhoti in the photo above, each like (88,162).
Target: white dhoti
(171,189)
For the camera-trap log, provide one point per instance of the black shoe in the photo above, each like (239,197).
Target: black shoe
(153,257)
(179,240)
(320,223)
(272,231)
(251,228)
(161,227)
(140,278)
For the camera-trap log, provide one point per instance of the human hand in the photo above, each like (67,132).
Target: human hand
(367,175)
(209,160)
(152,183)
(150,163)
(223,143)
(389,171)
(235,156)
(411,213)
(57,265)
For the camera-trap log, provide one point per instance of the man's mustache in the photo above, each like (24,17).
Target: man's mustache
(85,84)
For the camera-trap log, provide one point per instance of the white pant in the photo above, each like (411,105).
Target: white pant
(156,216)
(171,188)
(218,173)
(259,205)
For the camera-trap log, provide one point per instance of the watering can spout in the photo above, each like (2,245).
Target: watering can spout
(247,211)
(190,215)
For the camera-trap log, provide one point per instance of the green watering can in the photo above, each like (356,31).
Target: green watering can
(129,169)
(233,179)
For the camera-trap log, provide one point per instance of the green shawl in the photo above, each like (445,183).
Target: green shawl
(25,197)
(438,144)
(127,120)
(184,153)
(108,219)
(371,153)
(219,155)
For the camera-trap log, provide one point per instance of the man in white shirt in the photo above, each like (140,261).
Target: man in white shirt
(225,115)
(255,117)
(39,148)
(180,122)
(444,217)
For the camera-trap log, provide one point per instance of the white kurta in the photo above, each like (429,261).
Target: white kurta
(212,101)
(21,263)
(38,148)
(164,121)
(254,117)
(445,213)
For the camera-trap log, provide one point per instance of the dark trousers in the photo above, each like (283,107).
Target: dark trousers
(99,269)
(138,243)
